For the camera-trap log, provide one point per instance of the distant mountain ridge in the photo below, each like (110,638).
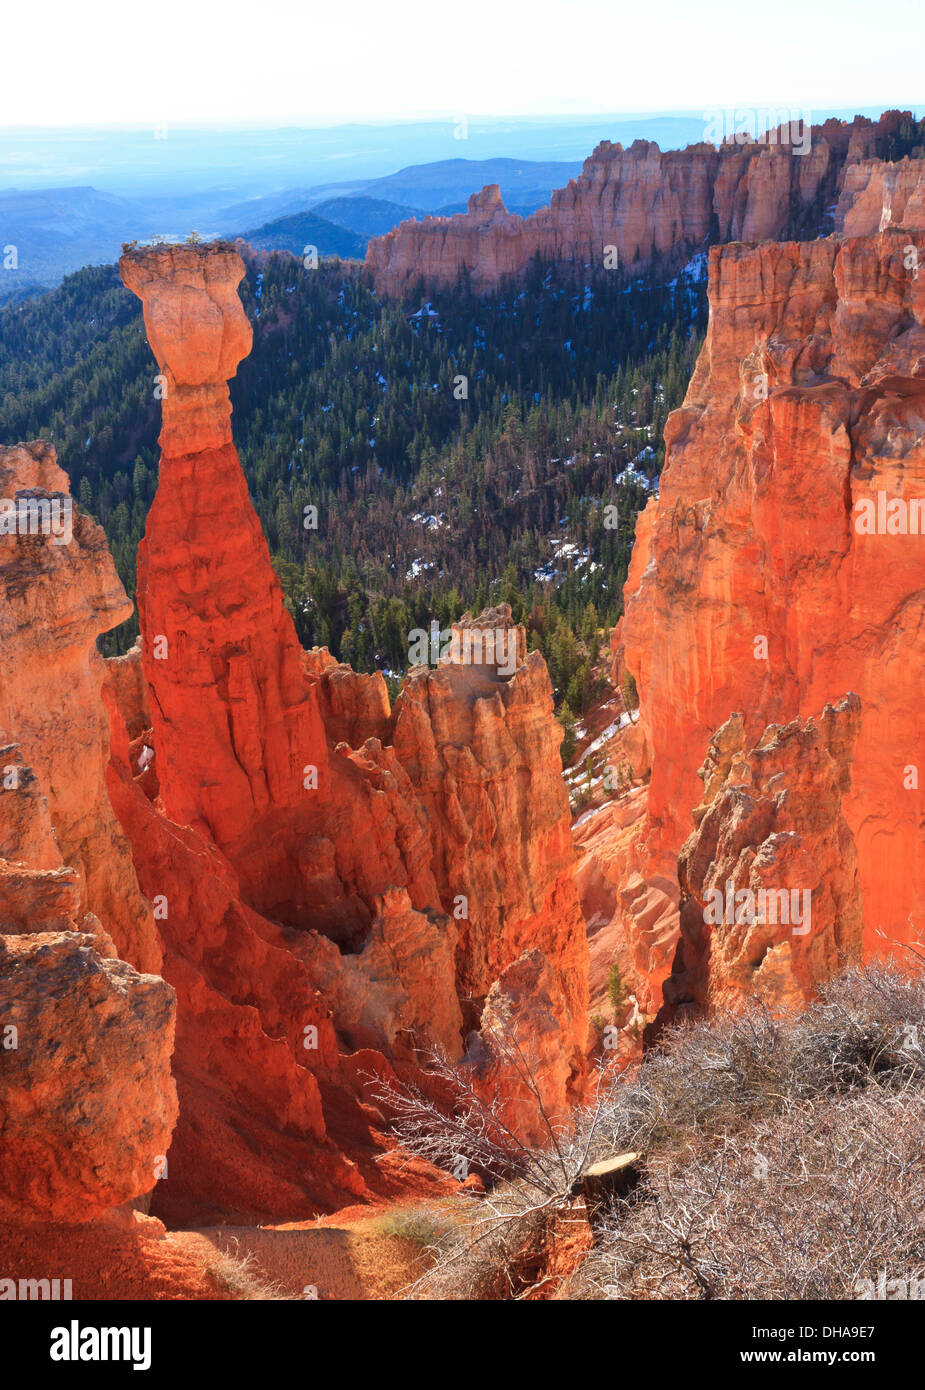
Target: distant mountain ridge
(421,188)
(217,183)
(59,230)
(343,225)
(304,229)
(365,216)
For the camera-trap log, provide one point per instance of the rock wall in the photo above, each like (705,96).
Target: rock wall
(770,895)
(646,202)
(87,1101)
(57,594)
(481,747)
(876,195)
(756,584)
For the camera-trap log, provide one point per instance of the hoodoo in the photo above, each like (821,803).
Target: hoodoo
(337,885)
(770,898)
(236,724)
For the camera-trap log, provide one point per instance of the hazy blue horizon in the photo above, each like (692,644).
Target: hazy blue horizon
(255,157)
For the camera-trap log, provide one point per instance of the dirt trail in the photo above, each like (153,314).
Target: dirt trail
(355,1259)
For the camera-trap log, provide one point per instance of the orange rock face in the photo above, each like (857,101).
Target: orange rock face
(398,993)
(777,570)
(354,706)
(198,333)
(640,202)
(523,1023)
(59,592)
(87,1101)
(481,745)
(876,195)
(237,728)
(612,204)
(770,896)
(255,1042)
(246,826)
(631,911)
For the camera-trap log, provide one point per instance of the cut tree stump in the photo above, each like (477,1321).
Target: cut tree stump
(603,1181)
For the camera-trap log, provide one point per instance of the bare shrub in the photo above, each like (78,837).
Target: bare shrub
(495,1248)
(782,1158)
(494,1252)
(462,1126)
(804,1205)
(868,1025)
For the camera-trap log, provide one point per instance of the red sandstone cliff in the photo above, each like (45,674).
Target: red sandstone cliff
(59,594)
(770,897)
(482,750)
(752,586)
(87,1101)
(876,195)
(645,201)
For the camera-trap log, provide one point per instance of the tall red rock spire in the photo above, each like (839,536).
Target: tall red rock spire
(329,904)
(237,725)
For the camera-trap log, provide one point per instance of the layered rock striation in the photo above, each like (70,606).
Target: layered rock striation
(480,744)
(59,592)
(87,1100)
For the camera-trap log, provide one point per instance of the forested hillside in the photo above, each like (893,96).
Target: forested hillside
(304,229)
(458,451)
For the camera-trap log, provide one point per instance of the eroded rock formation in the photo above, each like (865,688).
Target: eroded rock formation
(777,568)
(87,1101)
(770,895)
(482,750)
(305,847)
(645,202)
(236,725)
(876,195)
(59,591)
(518,1051)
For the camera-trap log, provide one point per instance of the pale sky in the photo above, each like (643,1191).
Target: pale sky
(67,63)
